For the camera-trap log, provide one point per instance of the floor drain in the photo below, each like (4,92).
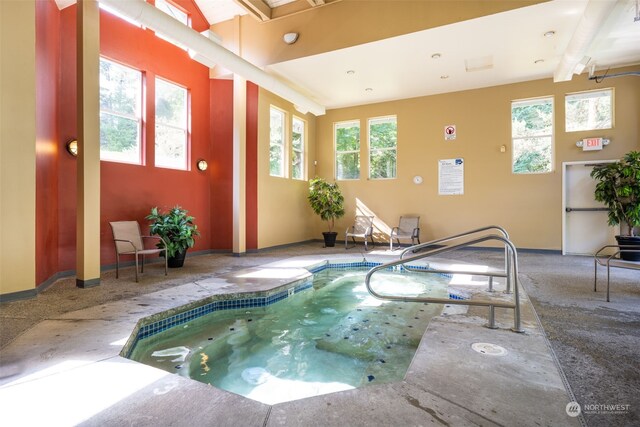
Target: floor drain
(489,349)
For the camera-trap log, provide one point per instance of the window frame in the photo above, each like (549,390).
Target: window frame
(186,129)
(283,139)
(302,150)
(174,8)
(567,97)
(371,150)
(336,126)
(532,101)
(137,117)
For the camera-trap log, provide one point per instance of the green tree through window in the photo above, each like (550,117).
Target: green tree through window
(276,142)
(347,139)
(532,135)
(589,110)
(171,125)
(297,148)
(383,139)
(120,112)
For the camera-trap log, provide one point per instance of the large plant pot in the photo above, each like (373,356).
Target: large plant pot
(330,238)
(177,261)
(629,241)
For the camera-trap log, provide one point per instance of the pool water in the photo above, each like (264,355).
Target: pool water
(334,336)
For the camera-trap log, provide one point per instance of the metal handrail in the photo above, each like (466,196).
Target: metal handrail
(515,305)
(599,259)
(455,236)
(507,259)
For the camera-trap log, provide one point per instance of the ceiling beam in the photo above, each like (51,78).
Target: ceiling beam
(256,8)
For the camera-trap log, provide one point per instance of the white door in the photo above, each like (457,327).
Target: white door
(584,223)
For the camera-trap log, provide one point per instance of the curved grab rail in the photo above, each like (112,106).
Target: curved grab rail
(456,236)
(507,260)
(491,304)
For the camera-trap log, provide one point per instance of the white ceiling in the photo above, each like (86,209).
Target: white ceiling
(503,48)
(222,10)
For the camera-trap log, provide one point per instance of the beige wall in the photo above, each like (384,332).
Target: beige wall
(528,206)
(347,23)
(17,146)
(284,215)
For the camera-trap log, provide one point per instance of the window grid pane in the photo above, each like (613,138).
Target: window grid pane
(297,148)
(383,139)
(120,113)
(347,140)
(589,110)
(532,136)
(276,143)
(171,126)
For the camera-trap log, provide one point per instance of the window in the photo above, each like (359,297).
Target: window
(298,138)
(120,113)
(171,125)
(276,143)
(347,139)
(383,139)
(589,110)
(175,12)
(532,135)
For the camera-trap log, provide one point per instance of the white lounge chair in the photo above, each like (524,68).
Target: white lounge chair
(408,228)
(363,228)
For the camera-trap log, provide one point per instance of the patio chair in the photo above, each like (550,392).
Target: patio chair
(363,227)
(408,228)
(128,240)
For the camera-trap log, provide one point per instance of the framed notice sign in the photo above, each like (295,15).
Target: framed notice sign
(450,177)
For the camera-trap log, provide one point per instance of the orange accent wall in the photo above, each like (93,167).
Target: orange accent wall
(47,149)
(130,191)
(220,165)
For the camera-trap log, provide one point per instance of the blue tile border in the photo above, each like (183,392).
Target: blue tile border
(260,299)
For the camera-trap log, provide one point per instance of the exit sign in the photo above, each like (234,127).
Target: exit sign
(591,144)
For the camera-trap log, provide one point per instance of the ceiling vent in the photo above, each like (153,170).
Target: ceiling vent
(478,64)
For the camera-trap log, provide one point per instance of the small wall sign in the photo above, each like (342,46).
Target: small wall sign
(450,132)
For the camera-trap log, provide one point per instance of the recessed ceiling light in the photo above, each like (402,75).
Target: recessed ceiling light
(550,33)
(436,56)
(369,89)
(444,77)
(538,61)
(351,72)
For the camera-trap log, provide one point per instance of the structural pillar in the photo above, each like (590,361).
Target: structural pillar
(88,172)
(17,148)
(239,165)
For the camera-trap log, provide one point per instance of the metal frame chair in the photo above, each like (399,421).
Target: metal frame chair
(363,227)
(612,260)
(408,228)
(128,240)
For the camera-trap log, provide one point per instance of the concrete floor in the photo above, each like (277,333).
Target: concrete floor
(59,362)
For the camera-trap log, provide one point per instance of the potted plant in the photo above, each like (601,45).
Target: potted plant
(177,229)
(618,187)
(327,201)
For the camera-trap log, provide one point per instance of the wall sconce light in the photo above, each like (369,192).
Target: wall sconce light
(202,165)
(290,38)
(72,147)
